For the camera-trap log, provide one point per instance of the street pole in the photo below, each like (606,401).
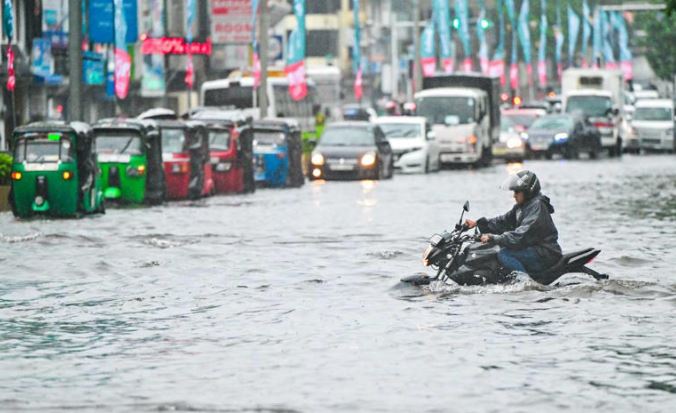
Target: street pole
(416,46)
(75,60)
(394,58)
(263,55)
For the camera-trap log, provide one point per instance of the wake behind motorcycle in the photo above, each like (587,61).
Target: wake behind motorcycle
(460,257)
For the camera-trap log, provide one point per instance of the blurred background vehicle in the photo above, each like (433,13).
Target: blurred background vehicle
(511,146)
(563,134)
(414,147)
(653,124)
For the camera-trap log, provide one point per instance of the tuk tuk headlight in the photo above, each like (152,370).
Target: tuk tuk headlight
(179,168)
(317,159)
(369,159)
(223,166)
(67,175)
(16,176)
(135,171)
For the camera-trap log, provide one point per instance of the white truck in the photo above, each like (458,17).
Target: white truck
(464,116)
(653,124)
(597,94)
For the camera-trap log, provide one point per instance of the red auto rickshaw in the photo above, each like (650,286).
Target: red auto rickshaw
(185,156)
(231,150)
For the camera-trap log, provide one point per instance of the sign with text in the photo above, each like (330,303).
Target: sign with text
(174,45)
(230,21)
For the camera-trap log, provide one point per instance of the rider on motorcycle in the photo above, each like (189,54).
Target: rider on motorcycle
(526,234)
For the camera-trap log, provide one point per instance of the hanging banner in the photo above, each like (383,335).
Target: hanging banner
(191,11)
(481,35)
(496,66)
(153,83)
(573,32)
(8,30)
(524,38)
(623,40)
(442,18)
(356,52)
(514,58)
(230,21)
(559,39)
(597,40)
(102,16)
(607,30)
(542,47)
(586,32)
(122,57)
(462,14)
(295,61)
(428,59)
(55,22)
(254,46)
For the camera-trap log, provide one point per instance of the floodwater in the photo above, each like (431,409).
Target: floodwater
(289,301)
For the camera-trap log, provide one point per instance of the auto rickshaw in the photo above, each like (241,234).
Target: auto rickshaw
(277,153)
(185,155)
(54,172)
(231,150)
(130,157)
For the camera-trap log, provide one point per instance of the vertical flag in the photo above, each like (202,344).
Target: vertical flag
(191,10)
(513,61)
(481,35)
(428,58)
(625,53)
(607,30)
(356,52)
(586,31)
(8,28)
(524,37)
(254,46)
(597,40)
(122,57)
(497,65)
(442,19)
(542,49)
(573,32)
(295,61)
(462,14)
(559,39)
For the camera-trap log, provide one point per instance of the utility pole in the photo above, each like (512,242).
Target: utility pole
(417,76)
(75,60)
(263,38)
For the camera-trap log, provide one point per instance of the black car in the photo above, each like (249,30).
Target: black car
(566,135)
(352,150)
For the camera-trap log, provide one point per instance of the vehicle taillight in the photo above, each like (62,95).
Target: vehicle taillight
(602,125)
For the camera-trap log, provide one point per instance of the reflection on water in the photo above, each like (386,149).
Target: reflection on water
(208,306)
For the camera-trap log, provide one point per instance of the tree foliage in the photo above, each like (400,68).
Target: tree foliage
(660,36)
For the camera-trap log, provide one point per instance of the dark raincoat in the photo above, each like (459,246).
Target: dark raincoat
(530,225)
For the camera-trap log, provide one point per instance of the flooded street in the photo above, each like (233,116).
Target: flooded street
(289,300)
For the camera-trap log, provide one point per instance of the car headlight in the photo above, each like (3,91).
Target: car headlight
(317,159)
(561,137)
(524,136)
(514,142)
(472,139)
(369,159)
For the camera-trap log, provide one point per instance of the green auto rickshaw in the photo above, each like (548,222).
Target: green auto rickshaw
(54,172)
(130,157)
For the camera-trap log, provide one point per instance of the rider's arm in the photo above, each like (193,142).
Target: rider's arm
(515,238)
(499,224)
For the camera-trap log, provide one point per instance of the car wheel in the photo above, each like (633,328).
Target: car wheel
(548,155)
(427,165)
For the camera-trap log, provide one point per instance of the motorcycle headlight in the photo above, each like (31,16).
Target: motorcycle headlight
(317,159)
(369,159)
(561,137)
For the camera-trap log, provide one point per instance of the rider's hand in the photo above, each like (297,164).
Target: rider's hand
(486,238)
(470,224)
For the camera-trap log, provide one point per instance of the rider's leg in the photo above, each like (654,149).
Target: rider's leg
(521,260)
(509,261)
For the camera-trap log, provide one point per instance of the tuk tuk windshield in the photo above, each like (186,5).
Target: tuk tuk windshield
(43,150)
(173,140)
(268,138)
(219,139)
(119,143)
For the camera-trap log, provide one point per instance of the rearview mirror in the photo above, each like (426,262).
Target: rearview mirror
(466,206)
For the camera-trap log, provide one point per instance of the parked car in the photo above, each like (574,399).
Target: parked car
(413,145)
(522,118)
(278,153)
(352,150)
(356,112)
(54,171)
(511,146)
(653,123)
(564,134)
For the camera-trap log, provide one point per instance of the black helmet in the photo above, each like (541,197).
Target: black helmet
(523,181)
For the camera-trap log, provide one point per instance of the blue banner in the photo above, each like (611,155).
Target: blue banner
(542,47)
(586,31)
(573,32)
(102,27)
(295,60)
(558,37)
(607,30)
(428,58)
(442,18)
(356,50)
(8,19)
(500,48)
(524,31)
(597,42)
(153,82)
(462,14)
(481,35)
(623,38)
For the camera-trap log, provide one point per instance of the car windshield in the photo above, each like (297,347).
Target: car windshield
(173,140)
(401,130)
(523,119)
(119,143)
(268,138)
(553,123)
(438,108)
(506,125)
(593,106)
(347,136)
(219,139)
(43,149)
(238,97)
(653,114)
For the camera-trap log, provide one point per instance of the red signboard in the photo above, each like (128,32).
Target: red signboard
(174,45)
(230,21)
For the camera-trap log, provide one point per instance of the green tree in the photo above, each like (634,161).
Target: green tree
(660,32)
(5,168)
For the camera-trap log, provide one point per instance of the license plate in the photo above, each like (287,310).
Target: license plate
(447,158)
(499,151)
(539,147)
(341,167)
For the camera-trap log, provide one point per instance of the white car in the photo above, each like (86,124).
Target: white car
(653,124)
(414,147)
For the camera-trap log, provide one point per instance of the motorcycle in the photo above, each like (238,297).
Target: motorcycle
(460,257)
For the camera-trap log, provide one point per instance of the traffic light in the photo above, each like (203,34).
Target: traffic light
(456,23)
(485,23)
